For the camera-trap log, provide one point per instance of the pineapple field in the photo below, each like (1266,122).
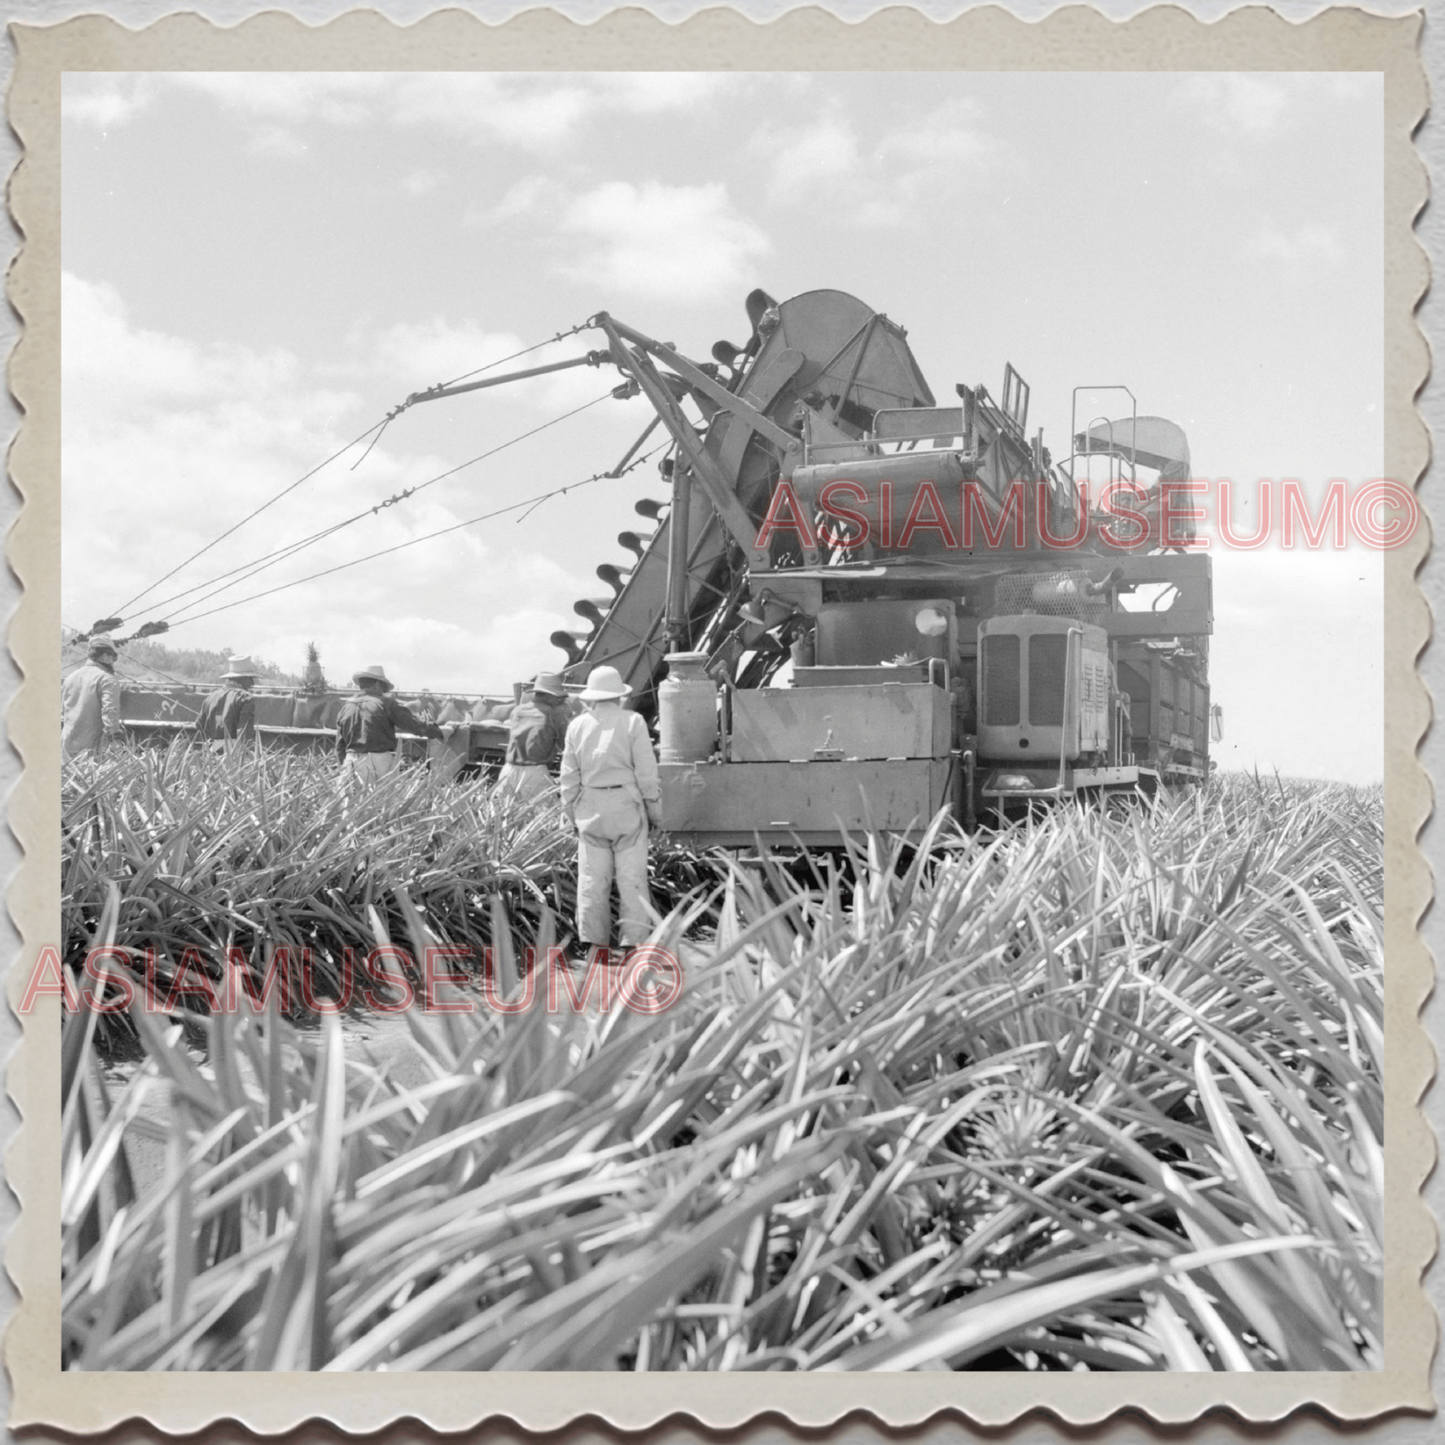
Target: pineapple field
(1100,1090)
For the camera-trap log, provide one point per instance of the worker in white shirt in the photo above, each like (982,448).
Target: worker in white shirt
(610,792)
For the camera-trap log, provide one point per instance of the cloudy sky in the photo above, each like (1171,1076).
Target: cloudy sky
(258,267)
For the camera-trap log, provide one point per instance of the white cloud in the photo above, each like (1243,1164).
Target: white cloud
(427,352)
(160,430)
(890,173)
(339,97)
(491,106)
(672,242)
(103,100)
(538,112)
(821,152)
(946,136)
(526,197)
(652,92)
(278,101)
(276,140)
(1309,250)
(417,355)
(1342,85)
(166,442)
(1237,102)
(422,182)
(533,112)
(127,371)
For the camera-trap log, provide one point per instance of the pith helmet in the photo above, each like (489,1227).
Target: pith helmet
(375,673)
(604,683)
(549,684)
(241,666)
(102,646)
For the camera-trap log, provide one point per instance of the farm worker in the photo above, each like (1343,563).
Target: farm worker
(446,759)
(367,725)
(536,731)
(90,701)
(230,711)
(610,792)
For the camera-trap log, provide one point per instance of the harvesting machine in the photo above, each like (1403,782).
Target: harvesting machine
(858,606)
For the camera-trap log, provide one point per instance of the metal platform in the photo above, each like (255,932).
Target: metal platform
(734,804)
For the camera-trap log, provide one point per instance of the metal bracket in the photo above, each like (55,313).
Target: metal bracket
(702,466)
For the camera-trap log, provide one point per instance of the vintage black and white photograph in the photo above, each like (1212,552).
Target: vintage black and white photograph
(723,721)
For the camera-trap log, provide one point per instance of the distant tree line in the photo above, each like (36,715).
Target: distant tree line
(199,663)
(189,664)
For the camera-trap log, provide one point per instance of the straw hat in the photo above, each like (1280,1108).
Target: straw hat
(102,646)
(604,683)
(549,684)
(239,666)
(375,673)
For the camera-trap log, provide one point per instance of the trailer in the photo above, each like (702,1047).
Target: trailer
(305,721)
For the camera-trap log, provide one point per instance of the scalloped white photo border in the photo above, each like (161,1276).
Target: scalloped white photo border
(1077,38)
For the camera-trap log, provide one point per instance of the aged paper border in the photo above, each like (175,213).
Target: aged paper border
(1164,38)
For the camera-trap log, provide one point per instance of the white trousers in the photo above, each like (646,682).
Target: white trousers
(367,767)
(611,847)
(523,781)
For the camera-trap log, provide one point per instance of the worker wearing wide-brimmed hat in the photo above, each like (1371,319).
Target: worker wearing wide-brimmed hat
(367,726)
(610,791)
(535,733)
(229,712)
(90,701)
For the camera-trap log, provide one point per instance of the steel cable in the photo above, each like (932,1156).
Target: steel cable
(528,503)
(256,565)
(285,491)
(525,351)
(377,427)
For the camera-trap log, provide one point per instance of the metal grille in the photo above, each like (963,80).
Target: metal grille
(1051,594)
(1048,652)
(1001,679)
